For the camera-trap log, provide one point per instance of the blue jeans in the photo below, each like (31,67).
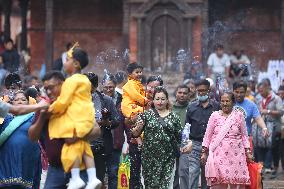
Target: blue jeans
(264,155)
(183,171)
(195,166)
(112,169)
(57,179)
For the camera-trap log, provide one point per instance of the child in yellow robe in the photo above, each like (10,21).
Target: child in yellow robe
(73,116)
(134,97)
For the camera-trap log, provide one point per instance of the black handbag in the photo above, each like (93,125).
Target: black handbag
(174,142)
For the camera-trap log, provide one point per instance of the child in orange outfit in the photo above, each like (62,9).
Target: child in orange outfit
(134,97)
(73,116)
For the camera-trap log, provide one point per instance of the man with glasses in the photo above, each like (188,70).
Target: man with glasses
(56,178)
(197,115)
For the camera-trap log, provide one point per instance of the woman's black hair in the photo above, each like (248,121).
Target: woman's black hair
(13,79)
(155,78)
(239,84)
(94,79)
(160,89)
(32,92)
(108,77)
(231,94)
(120,77)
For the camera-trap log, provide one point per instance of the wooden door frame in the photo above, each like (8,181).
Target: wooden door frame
(145,18)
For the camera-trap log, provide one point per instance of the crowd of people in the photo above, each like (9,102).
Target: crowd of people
(76,128)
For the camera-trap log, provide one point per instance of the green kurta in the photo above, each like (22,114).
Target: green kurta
(158,154)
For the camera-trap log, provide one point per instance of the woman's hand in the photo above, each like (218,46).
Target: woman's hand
(265,132)
(137,129)
(139,124)
(187,148)
(131,120)
(203,158)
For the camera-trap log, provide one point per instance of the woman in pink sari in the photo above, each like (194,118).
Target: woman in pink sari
(226,147)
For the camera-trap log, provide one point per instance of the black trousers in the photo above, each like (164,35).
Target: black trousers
(135,166)
(276,149)
(100,164)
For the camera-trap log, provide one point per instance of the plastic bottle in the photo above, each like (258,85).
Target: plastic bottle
(185,134)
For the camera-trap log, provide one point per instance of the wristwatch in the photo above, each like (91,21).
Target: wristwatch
(268,111)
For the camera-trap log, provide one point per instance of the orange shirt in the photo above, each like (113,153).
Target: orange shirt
(133,97)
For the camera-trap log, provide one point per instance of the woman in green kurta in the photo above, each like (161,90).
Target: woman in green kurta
(160,143)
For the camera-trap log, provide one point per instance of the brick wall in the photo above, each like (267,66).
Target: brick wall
(95,24)
(253,26)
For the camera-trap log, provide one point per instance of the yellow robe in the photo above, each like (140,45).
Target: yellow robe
(73,115)
(133,98)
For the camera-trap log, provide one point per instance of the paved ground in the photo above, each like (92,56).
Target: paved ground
(277,183)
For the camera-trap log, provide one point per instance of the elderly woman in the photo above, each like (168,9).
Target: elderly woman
(20,163)
(227,147)
(162,135)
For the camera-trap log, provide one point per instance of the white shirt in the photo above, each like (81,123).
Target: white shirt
(217,64)
(120,91)
(243,59)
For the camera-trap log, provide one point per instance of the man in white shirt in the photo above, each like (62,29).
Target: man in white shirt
(218,63)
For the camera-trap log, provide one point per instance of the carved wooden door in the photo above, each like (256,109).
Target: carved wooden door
(165,42)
